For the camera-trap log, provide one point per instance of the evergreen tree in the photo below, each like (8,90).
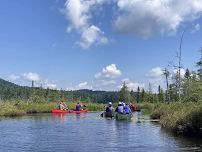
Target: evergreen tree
(124,94)
(138,94)
(160,94)
(142,96)
(199,64)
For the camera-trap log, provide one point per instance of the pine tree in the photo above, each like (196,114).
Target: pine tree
(199,64)
(160,94)
(125,94)
(138,94)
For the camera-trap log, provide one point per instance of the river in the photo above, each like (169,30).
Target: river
(88,133)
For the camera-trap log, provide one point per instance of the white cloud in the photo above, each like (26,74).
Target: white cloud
(151,17)
(132,85)
(196,28)
(79,14)
(107,82)
(31,76)
(49,84)
(82,85)
(13,77)
(155,72)
(110,71)
(182,72)
(92,35)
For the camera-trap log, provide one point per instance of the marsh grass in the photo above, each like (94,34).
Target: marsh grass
(183,118)
(18,108)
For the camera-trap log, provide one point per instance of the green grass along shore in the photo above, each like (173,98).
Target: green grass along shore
(9,109)
(182,118)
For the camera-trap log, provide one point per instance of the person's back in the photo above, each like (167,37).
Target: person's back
(133,107)
(109,107)
(78,107)
(62,106)
(127,109)
(120,108)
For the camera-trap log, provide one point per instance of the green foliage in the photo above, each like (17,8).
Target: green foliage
(125,94)
(20,107)
(184,118)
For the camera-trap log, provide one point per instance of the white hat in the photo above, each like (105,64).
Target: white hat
(120,103)
(110,103)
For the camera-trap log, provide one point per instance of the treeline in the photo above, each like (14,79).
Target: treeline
(179,87)
(11,92)
(186,88)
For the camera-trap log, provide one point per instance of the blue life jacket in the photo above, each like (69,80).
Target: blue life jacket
(126,109)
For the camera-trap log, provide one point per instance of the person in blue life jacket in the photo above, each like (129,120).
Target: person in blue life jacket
(78,107)
(109,107)
(126,109)
(119,109)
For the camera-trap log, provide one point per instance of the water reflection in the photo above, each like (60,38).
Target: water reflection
(183,142)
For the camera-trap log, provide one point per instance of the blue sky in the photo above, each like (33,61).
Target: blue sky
(96,44)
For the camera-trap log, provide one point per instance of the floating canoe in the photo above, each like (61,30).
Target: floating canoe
(68,111)
(127,117)
(80,111)
(59,111)
(108,114)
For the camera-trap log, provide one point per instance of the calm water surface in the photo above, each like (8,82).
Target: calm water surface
(87,133)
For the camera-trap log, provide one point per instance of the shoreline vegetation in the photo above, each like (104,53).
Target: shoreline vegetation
(19,108)
(180,117)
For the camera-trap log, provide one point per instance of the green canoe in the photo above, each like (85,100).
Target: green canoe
(108,114)
(126,117)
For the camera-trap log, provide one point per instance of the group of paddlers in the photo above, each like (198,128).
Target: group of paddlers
(63,106)
(122,108)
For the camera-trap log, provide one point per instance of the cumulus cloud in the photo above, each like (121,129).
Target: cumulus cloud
(196,28)
(31,76)
(79,14)
(132,85)
(13,77)
(49,84)
(146,18)
(82,85)
(110,71)
(92,35)
(107,82)
(155,72)
(182,72)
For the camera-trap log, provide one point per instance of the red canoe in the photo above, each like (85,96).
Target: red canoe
(68,111)
(80,111)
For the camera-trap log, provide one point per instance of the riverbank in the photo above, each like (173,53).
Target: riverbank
(11,109)
(181,118)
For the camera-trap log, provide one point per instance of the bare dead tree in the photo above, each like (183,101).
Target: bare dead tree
(166,74)
(180,65)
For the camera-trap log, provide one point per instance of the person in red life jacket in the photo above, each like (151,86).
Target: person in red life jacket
(78,107)
(133,107)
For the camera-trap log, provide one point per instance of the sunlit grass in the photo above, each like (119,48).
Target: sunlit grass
(184,118)
(17,108)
